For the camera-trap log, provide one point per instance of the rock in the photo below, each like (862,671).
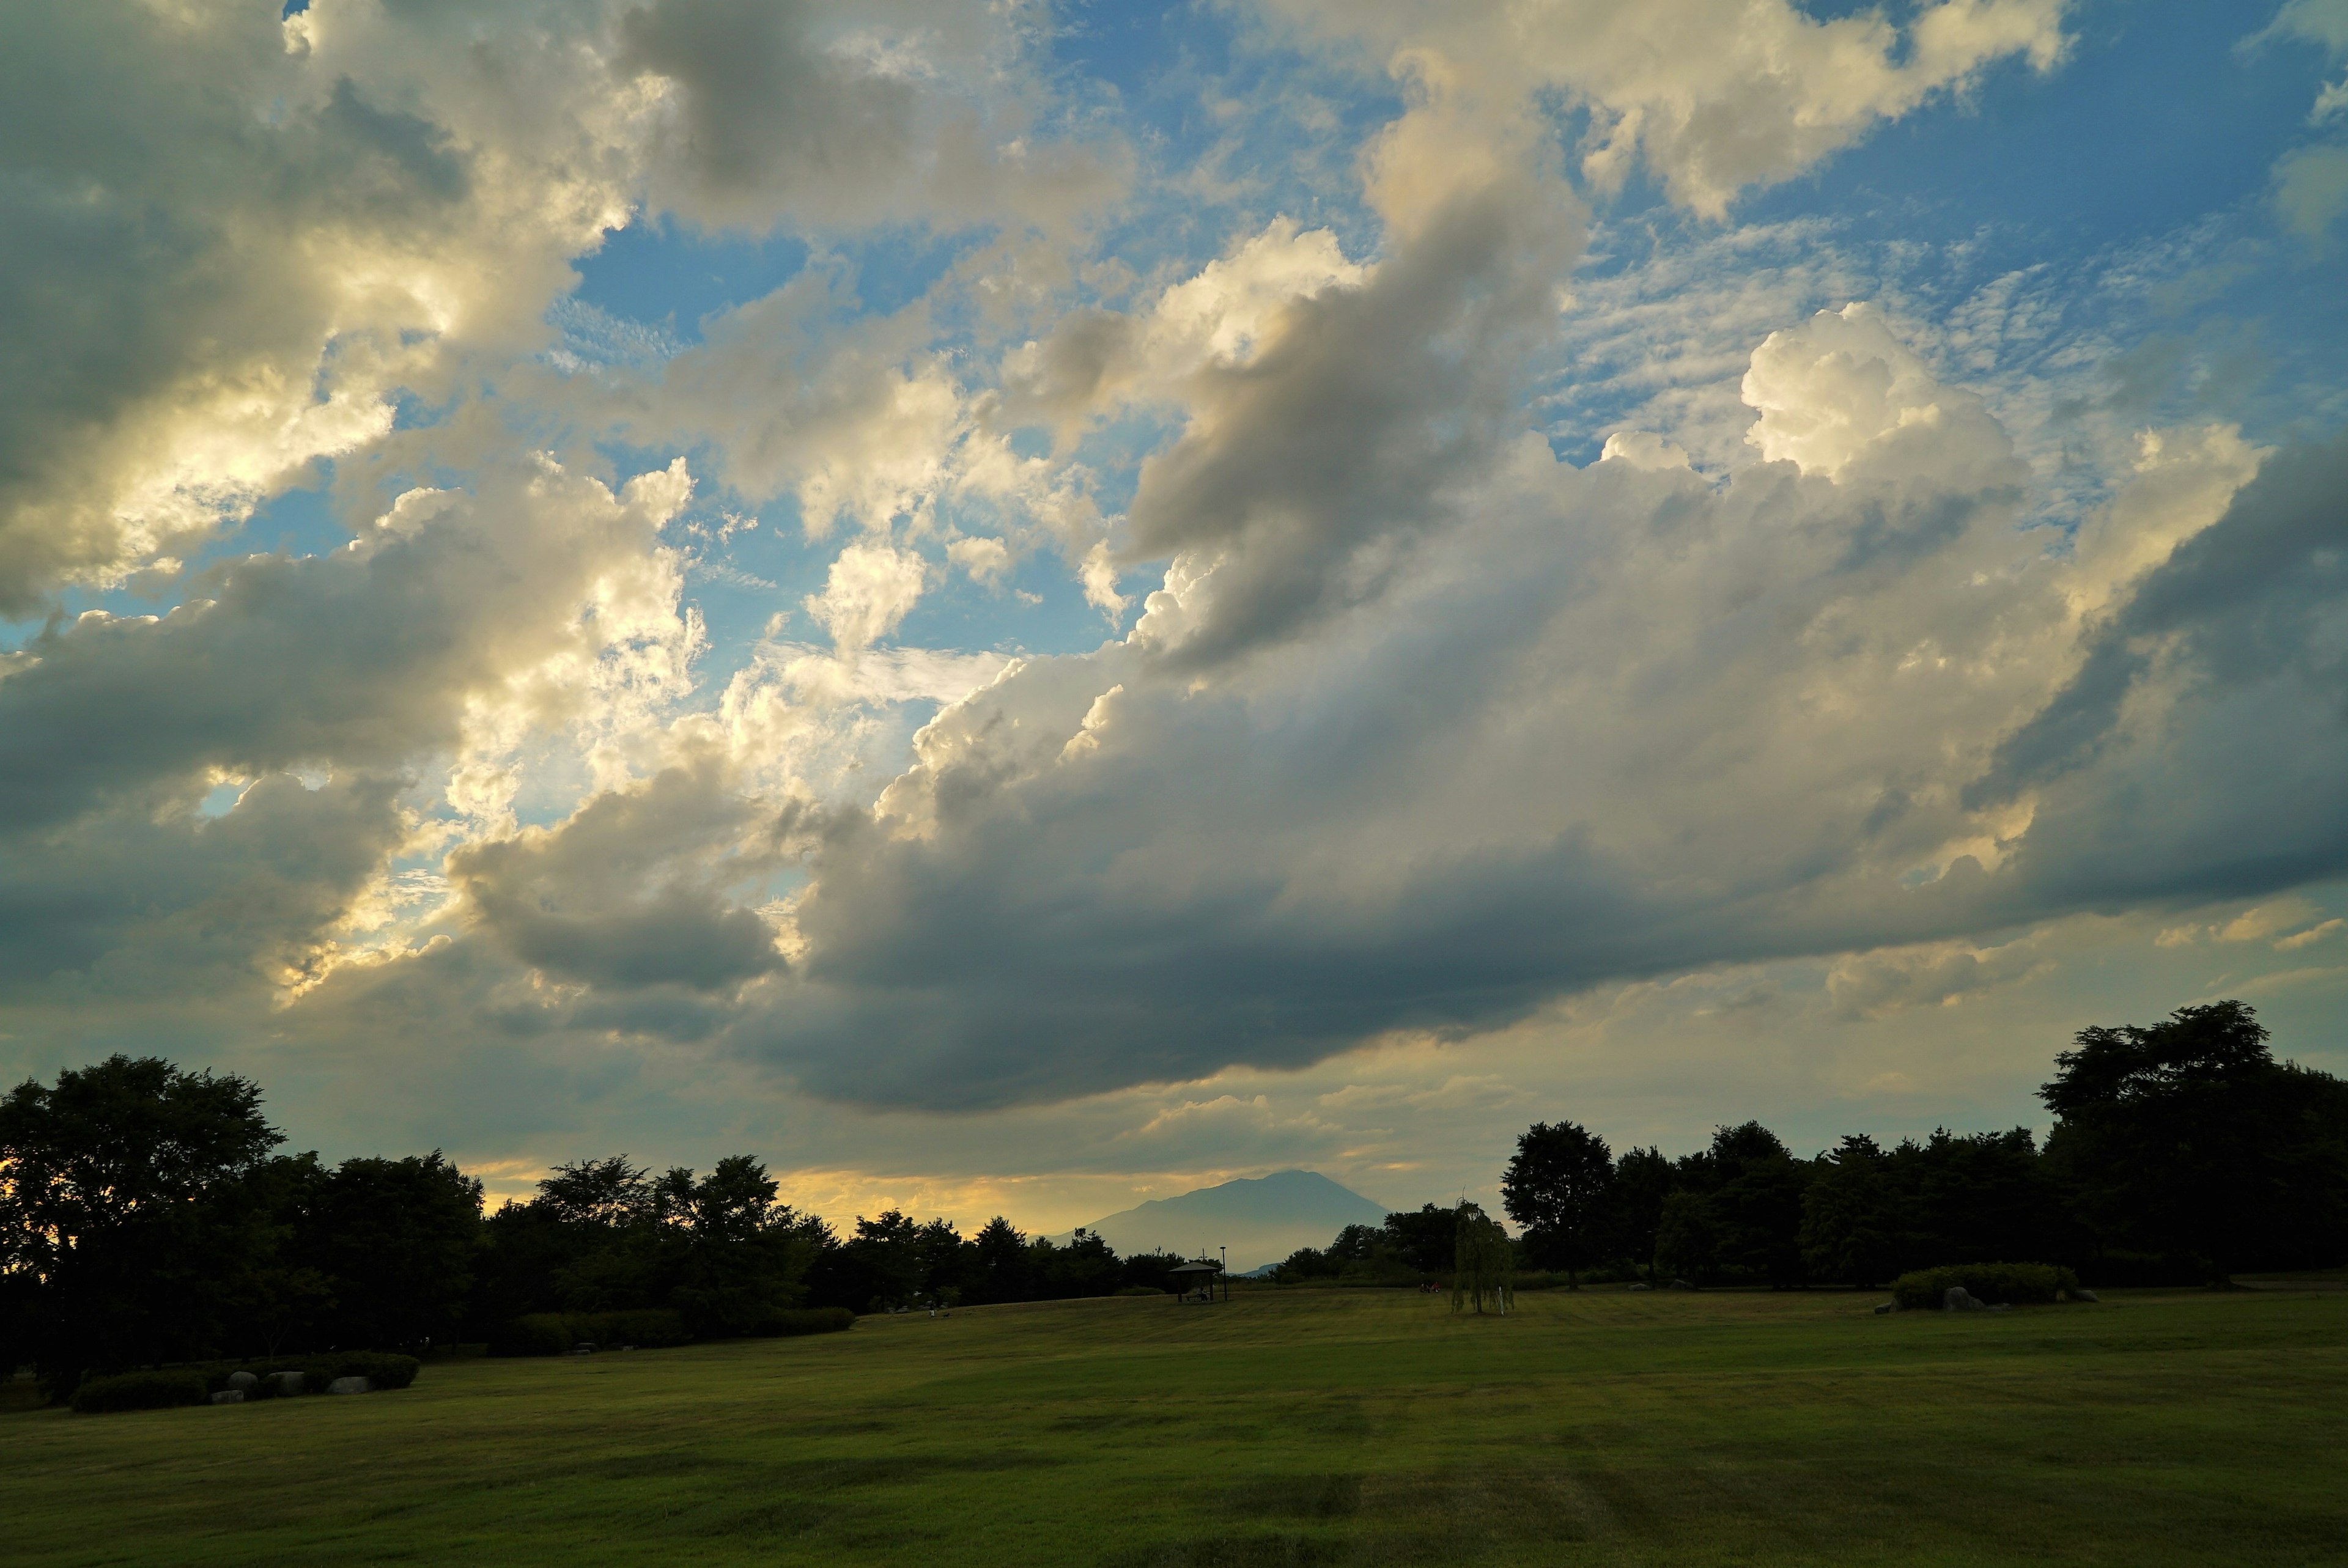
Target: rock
(229,1396)
(243,1382)
(2002,1307)
(2078,1294)
(349,1386)
(288,1382)
(1681,1285)
(1883,1307)
(1957,1298)
(584,1348)
(1640,1285)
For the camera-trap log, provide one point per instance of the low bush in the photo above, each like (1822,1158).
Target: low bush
(534,1334)
(557,1333)
(648,1328)
(812,1320)
(141,1391)
(1991,1284)
(380,1367)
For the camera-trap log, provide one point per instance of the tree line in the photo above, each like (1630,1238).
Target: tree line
(2180,1153)
(147,1219)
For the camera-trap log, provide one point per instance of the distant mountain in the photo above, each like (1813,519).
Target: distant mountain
(1262,1219)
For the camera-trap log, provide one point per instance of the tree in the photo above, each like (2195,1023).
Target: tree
(1480,1259)
(125,1220)
(1425,1240)
(1557,1188)
(2189,1138)
(739,1255)
(395,1242)
(1755,1202)
(1850,1221)
(998,1262)
(1686,1245)
(1643,1180)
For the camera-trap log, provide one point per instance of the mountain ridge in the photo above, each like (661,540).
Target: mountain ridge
(1260,1219)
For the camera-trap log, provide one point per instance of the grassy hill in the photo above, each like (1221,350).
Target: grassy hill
(1295,1427)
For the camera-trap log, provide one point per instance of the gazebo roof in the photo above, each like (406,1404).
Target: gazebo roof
(1197,1268)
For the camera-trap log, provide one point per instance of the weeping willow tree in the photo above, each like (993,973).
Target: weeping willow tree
(1483,1267)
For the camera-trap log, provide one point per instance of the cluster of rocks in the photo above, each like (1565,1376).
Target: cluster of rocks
(243,1386)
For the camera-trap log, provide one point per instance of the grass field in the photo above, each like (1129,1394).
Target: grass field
(1334,1427)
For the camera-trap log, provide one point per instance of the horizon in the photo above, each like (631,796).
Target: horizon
(1027,609)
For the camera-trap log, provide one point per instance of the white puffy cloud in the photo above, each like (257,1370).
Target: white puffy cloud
(1712,95)
(231,244)
(1688,723)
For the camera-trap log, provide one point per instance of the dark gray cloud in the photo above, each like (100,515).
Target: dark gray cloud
(1307,467)
(627,893)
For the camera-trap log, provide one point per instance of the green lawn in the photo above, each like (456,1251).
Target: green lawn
(1335,1426)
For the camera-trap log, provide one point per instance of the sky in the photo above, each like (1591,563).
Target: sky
(1017,608)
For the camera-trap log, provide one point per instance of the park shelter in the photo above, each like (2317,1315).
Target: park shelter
(1197,1281)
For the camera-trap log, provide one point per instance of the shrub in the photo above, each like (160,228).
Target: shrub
(534,1334)
(554,1333)
(140,1391)
(380,1367)
(650,1328)
(1992,1283)
(812,1320)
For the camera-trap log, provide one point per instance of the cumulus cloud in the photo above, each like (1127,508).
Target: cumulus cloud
(232,243)
(1712,95)
(1690,723)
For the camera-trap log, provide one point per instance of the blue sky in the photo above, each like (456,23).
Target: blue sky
(1031,607)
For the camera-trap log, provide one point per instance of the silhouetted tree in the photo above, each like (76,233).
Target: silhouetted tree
(1687,1242)
(1850,1220)
(126,1221)
(1557,1188)
(999,1263)
(2188,1138)
(1643,1180)
(394,1243)
(1425,1240)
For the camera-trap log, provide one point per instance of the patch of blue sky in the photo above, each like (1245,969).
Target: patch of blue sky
(1230,130)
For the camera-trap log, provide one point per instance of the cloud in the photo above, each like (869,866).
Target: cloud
(629,892)
(232,244)
(1469,790)
(1713,96)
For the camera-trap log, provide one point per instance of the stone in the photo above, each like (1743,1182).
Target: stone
(288,1382)
(2002,1307)
(1957,1298)
(584,1348)
(2078,1294)
(1883,1308)
(243,1382)
(1639,1284)
(349,1386)
(229,1396)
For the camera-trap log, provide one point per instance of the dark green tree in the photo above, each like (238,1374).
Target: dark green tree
(1425,1240)
(1756,1199)
(1558,1187)
(1643,1178)
(127,1222)
(2189,1138)
(1687,1241)
(395,1243)
(999,1263)
(1851,1219)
